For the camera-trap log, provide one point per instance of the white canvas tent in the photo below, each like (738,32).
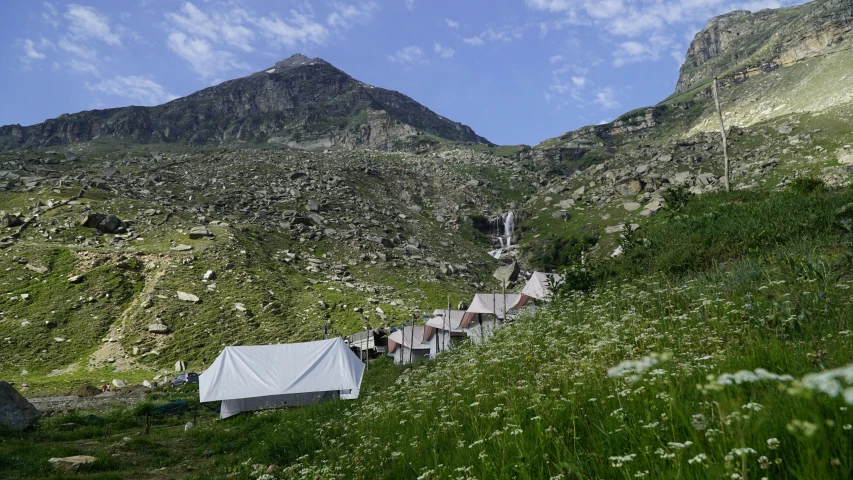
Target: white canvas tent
(539,286)
(443,329)
(408,345)
(267,376)
(480,320)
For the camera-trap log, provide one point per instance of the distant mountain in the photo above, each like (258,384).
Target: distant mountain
(298,102)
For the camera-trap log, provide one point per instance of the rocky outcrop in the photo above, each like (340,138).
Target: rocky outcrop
(299,102)
(764,40)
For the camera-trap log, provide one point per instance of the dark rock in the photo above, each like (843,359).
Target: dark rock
(9,221)
(16,413)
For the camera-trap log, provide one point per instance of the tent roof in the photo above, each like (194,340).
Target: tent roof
(264,370)
(452,323)
(491,303)
(404,338)
(538,285)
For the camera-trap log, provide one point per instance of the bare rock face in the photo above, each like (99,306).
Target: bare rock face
(763,40)
(16,413)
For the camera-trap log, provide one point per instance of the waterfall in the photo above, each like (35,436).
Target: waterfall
(505,240)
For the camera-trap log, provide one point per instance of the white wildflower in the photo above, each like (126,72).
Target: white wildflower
(618,461)
(698,459)
(773,443)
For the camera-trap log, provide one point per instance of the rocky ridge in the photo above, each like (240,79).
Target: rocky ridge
(299,102)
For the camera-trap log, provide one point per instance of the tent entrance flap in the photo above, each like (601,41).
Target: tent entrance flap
(233,407)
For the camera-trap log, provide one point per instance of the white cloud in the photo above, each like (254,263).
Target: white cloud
(228,27)
(473,41)
(410,4)
(205,60)
(299,29)
(30,51)
(87,22)
(603,8)
(444,52)
(579,82)
(410,54)
(503,35)
(50,15)
(345,16)
(634,52)
(605,98)
(80,49)
(79,66)
(452,24)
(549,5)
(556,59)
(143,90)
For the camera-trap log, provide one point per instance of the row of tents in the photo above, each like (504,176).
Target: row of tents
(247,378)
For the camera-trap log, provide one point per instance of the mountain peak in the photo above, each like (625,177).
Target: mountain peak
(297,60)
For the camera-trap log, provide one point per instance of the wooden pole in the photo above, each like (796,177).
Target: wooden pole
(503,289)
(412,344)
(723,134)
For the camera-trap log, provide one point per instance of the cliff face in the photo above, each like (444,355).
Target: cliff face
(301,102)
(767,39)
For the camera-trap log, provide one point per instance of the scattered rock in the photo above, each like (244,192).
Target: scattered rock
(16,413)
(209,275)
(75,279)
(313,206)
(181,248)
(39,270)
(507,273)
(631,206)
(158,328)
(199,232)
(118,383)
(9,221)
(71,464)
(180,366)
(188,297)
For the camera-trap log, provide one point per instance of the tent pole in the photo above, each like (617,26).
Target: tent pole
(412,344)
(503,288)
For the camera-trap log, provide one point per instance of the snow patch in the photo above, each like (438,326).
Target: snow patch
(272,70)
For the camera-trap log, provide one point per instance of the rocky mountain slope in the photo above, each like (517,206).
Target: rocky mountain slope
(299,102)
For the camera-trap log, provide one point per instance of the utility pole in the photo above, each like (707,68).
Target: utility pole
(723,134)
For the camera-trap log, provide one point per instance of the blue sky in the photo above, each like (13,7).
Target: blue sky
(516,71)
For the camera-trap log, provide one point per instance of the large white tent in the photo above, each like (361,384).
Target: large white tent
(442,329)
(267,376)
(539,286)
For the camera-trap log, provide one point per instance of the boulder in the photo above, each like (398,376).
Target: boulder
(71,464)
(845,157)
(158,328)
(39,270)
(75,279)
(209,275)
(9,221)
(180,366)
(199,232)
(92,220)
(118,383)
(313,206)
(181,248)
(188,297)
(16,413)
(630,187)
(507,273)
(631,206)
(110,224)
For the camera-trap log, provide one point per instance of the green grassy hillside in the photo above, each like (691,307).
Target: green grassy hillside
(733,364)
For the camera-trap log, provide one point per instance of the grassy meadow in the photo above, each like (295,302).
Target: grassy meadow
(718,346)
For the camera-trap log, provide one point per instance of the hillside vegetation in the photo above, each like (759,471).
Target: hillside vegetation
(667,368)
